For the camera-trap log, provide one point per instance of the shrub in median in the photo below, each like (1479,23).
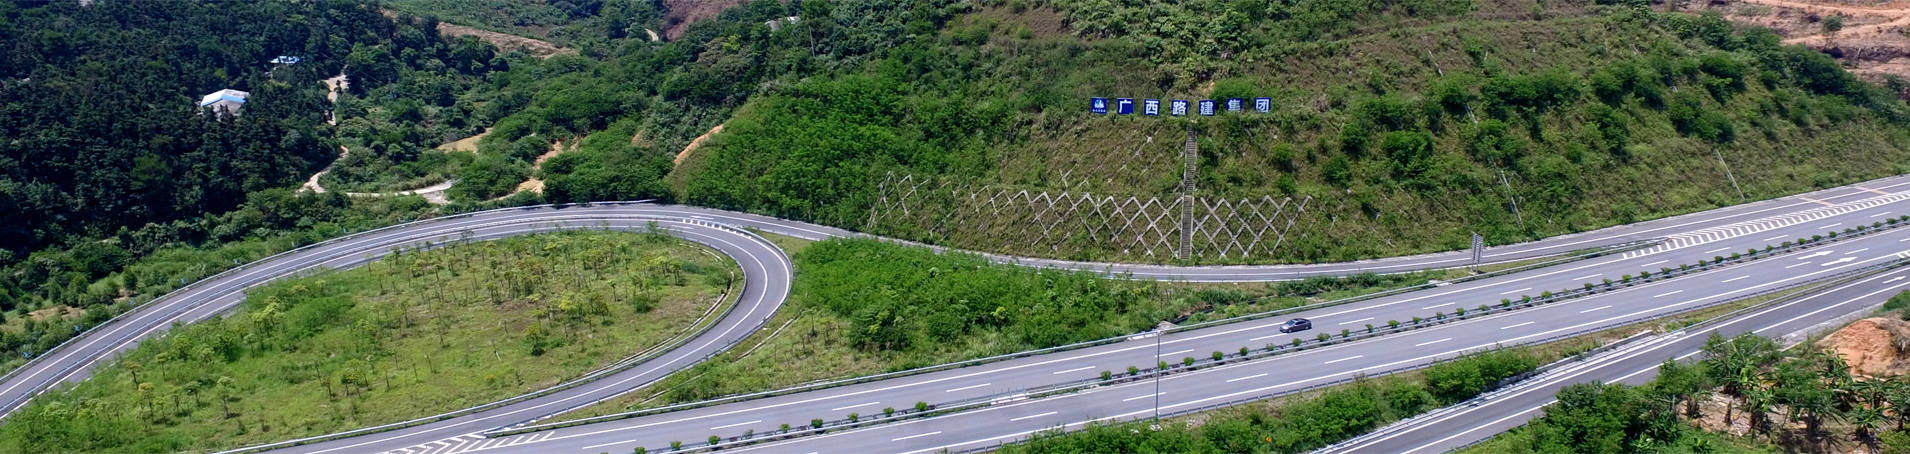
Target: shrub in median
(714,439)
(1394,324)
(815,423)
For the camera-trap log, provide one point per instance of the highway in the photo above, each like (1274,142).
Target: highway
(1635,366)
(767,273)
(1293,371)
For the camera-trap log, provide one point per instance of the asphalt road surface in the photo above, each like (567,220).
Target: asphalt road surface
(1635,365)
(1302,369)
(767,273)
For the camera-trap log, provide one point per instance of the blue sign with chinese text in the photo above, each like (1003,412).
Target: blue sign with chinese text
(1263,105)
(1233,104)
(1124,106)
(1098,105)
(1177,108)
(1207,107)
(1151,107)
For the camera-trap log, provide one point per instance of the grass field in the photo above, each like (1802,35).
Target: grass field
(808,328)
(416,334)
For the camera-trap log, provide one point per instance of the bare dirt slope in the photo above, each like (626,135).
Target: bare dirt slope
(1873,346)
(683,12)
(506,42)
(1871,42)
(694,143)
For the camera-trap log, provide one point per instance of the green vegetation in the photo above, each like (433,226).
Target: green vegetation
(1790,400)
(1304,424)
(1488,108)
(415,334)
(96,280)
(931,308)
(573,22)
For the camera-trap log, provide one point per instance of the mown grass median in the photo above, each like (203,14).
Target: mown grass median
(414,334)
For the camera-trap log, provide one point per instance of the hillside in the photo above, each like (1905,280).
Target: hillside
(1398,127)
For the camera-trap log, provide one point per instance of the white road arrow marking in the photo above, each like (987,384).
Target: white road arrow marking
(1818,254)
(1842,260)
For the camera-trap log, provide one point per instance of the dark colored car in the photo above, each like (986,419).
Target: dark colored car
(1295,325)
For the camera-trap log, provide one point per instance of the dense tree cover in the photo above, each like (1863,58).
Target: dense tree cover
(1773,391)
(918,299)
(106,162)
(102,129)
(102,133)
(1337,414)
(417,333)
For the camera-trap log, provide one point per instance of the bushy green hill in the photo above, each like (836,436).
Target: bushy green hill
(1398,127)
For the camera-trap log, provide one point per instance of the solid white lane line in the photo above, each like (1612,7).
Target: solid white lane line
(1033,416)
(734,425)
(1516,291)
(1722,249)
(1797,265)
(1346,359)
(1595,308)
(1829,226)
(1880,214)
(1655,263)
(1433,342)
(1164,355)
(1440,305)
(1077,369)
(964,388)
(853,406)
(1261,337)
(916,435)
(1588,277)
(1775,238)
(1856,251)
(1852,300)
(1735,278)
(1356,321)
(1518,325)
(1673,292)
(1247,377)
(1141,397)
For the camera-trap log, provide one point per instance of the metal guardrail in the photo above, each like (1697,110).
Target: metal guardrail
(1846,276)
(1776,251)
(1509,384)
(582,380)
(1586,254)
(10,406)
(1205,363)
